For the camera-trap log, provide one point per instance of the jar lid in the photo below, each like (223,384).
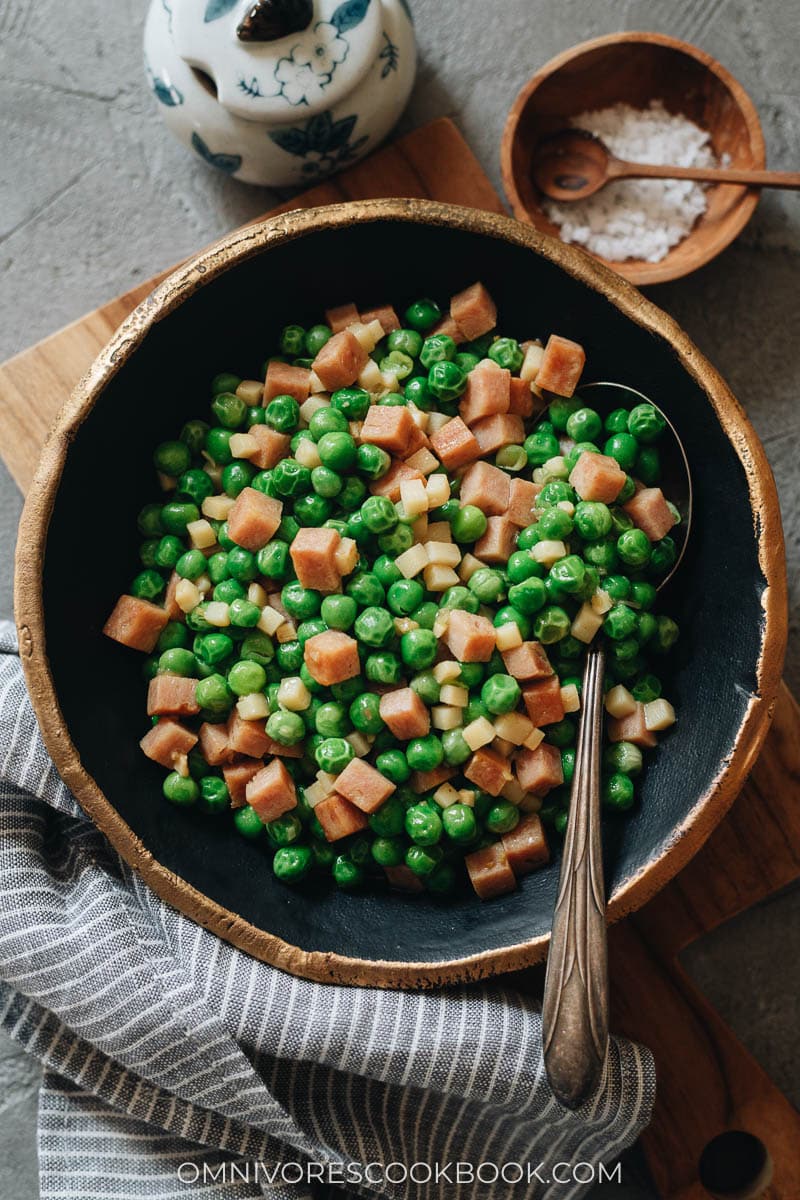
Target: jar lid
(269,58)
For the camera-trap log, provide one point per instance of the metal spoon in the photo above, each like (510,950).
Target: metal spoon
(575,1007)
(574,164)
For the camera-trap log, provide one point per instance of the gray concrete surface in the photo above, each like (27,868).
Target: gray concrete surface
(94,196)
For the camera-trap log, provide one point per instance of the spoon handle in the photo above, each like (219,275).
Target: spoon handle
(776,179)
(575,1009)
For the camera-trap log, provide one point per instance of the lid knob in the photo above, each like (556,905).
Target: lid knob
(270,20)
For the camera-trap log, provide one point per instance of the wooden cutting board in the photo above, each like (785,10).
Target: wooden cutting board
(707,1082)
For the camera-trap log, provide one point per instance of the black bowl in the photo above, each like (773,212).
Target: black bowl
(221,312)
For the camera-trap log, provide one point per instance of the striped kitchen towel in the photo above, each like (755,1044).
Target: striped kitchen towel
(177,1065)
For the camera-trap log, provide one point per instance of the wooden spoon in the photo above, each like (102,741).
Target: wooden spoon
(574,164)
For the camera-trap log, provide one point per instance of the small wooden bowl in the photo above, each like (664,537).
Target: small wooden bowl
(635,68)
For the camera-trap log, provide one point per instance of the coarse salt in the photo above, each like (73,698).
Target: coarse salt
(638,218)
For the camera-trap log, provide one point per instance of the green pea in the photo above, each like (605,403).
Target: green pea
(468,524)
(244,614)
(173,635)
(352,402)
(374,627)
(337,451)
(172,458)
(312,510)
(300,602)
(218,445)
(397,540)
(422,314)
(427,687)
(459,597)
(168,551)
(379,514)
(648,466)
(561,733)
(366,589)
(521,566)
(424,753)
(602,554)
(423,826)
(292,863)
(229,409)
(388,851)
(459,823)
(509,615)
(292,340)
(623,448)
(540,446)
(446,380)
(282,414)
(646,423)
(289,657)
(365,713)
(501,694)
(404,595)
(634,548)
(178,661)
(555,492)
(425,615)
(394,766)
(248,823)
(666,635)
(417,392)
(291,478)
(310,628)
(383,667)
(148,585)
(584,425)
(487,585)
(561,409)
(577,450)
(246,677)
(287,728)
(195,485)
(191,565)
(316,337)
(569,574)
(418,648)
(327,420)
(255,416)
(398,364)
(272,560)
(177,514)
(568,756)
(507,352)
(623,757)
(454,749)
(619,622)
(194,433)
(423,860)
(502,817)
(147,553)
(438,347)
(346,873)
(229,590)
(333,754)
(408,341)
(618,792)
(372,461)
(212,648)
(618,586)
(338,612)
(180,790)
(214,794)
(214,695)
(663,556)
(467,361)
(551,625)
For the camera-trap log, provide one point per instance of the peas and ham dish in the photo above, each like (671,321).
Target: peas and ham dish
(367,587)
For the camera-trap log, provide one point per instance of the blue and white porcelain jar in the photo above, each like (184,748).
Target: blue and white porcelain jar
(280,92)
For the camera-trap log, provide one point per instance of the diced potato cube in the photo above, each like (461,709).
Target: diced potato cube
(443,554)
(619,701)
(287,632)
(315,793)
(566,506)
(530,803)
(201,534)
(243,445)
(549,551)
(468,566)
(414,497)
(445,716)
(570,698)
(187,595)
(218,613)
(313,404)
(256,594)
(307,454)
(447,670)
(658,715)
(315,385)
(253,707)
(437,421)
(270,620)
(438,578)
(424,461)
(514,727)
(438,489)
(346,556)
(420,528)
(391,384)
(508,636)
(367,335)
(466,796)
(166,482)
(601,601)
(404,625)
(441,623)
(370,378)
(251,391)
(555,468)
(360,742)
(412,561)
(293,694)
(453,693)
(531,362)
(180,764)
(534,739)
(479,733)
(203,584)
(513,792)
(503,747)
(586,623)
(446,795)
(419,417)
(216,508)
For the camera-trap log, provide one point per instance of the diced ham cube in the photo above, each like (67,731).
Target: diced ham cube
(597,477)
(237,776)
(402,879)
(313,552)
(405,714)
(340,361)
(272,446)
(214,744)
(385,314)
(341,316)
(649,511)
(136,623)
(495,545)
(247,737)
(471,637)
(631,729)
(166,741)
(389,484)
(271,792)
(489,770)
(339,817)
(389,426)
(486,487)
(449,328)
(455,444)
(521,498)
(331,657)
(171,607)
(285,380)
(561,366)
(253,519)
(528,661)
(489,871)
(474,311)
(363,786)
(526,845)
(520,400)
(276,749)
(543,701)
(417,439)
(488,392)
(539,770)
(428,781)
(505,429)
(172,694)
